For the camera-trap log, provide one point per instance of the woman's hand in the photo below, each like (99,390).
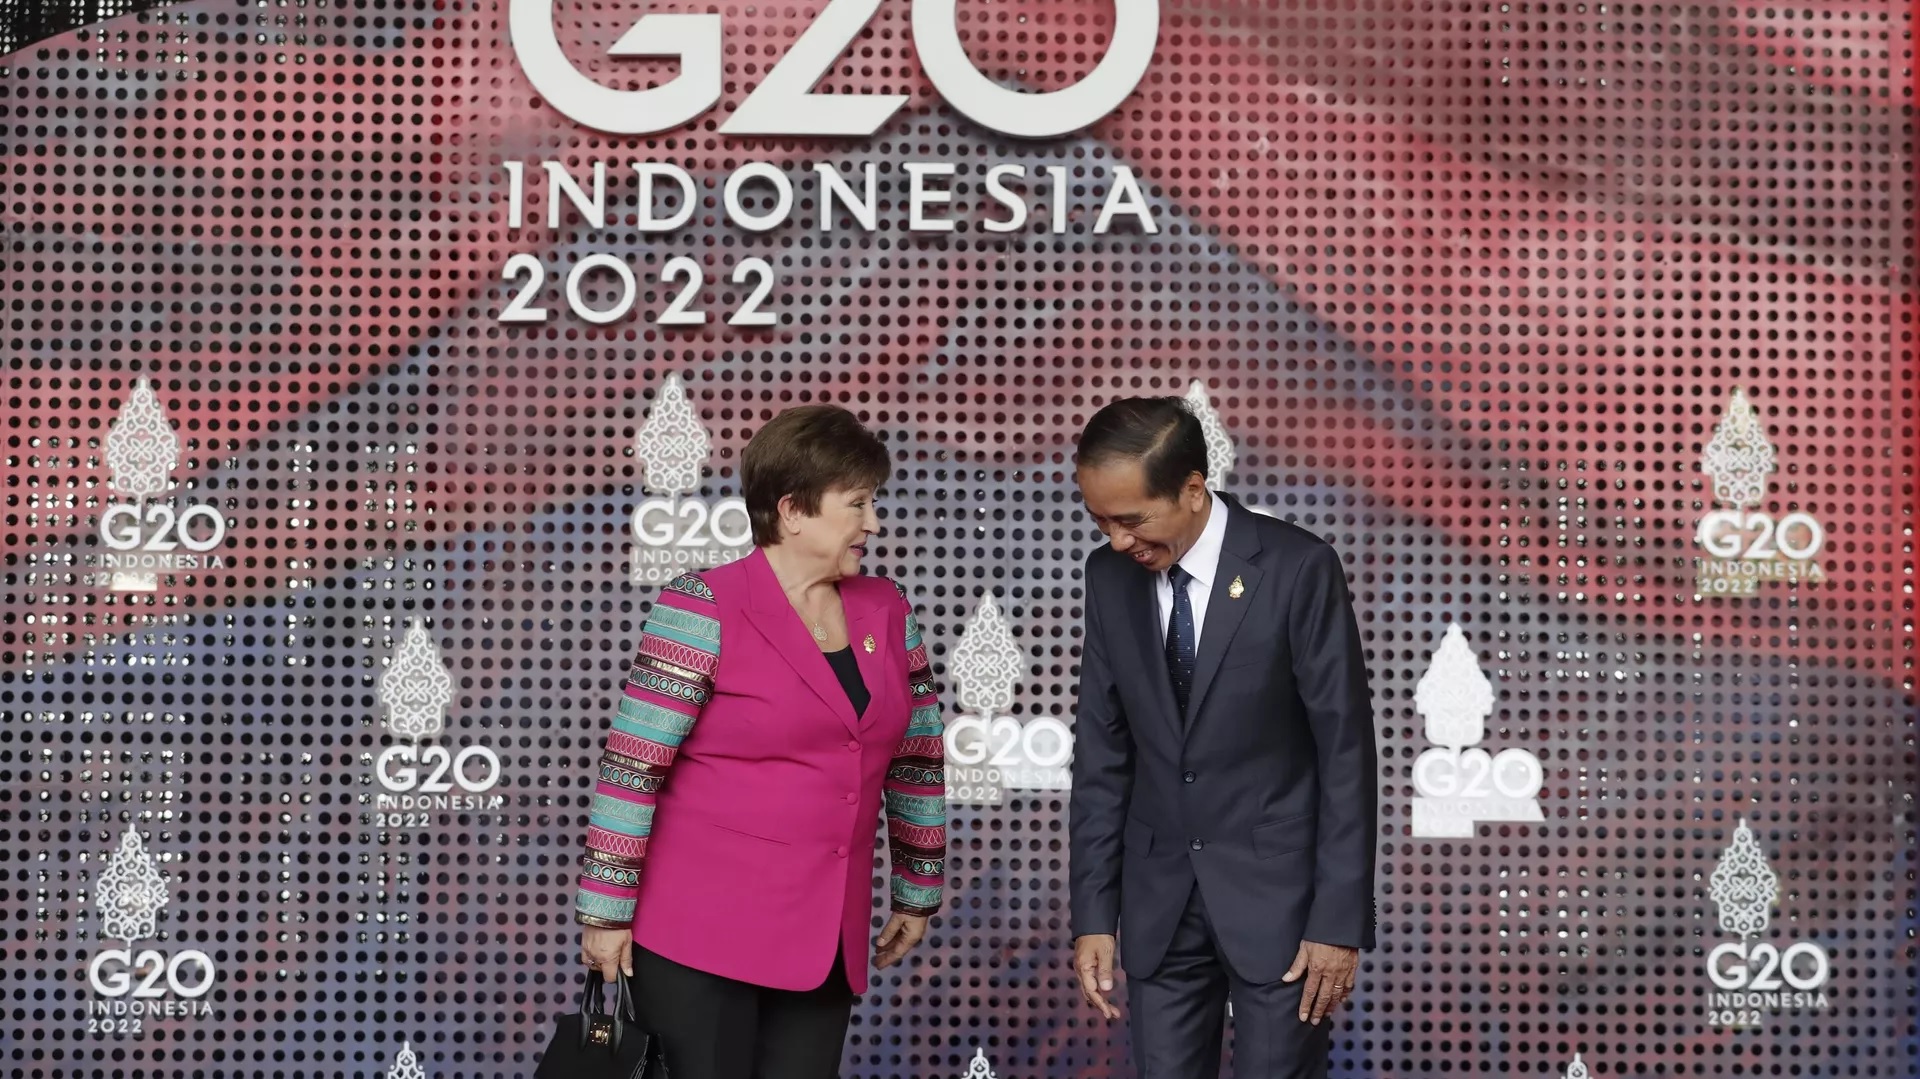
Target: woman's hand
(610,951)
(903,931)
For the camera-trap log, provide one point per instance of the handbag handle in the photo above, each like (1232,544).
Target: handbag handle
(622,1011)
(592,1003)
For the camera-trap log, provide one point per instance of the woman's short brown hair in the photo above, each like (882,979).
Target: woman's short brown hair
(805,452)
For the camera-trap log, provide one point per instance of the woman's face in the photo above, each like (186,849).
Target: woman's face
(837,535)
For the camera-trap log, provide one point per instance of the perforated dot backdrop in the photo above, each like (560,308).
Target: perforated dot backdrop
(1581,327)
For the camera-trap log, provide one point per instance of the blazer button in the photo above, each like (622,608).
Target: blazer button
(1197,844)
(840,852)
(855,746)
(852,798)
(1188,777)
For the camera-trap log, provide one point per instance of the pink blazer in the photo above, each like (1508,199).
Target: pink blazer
(739,794)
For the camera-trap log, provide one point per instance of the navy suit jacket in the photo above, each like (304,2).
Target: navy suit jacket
(1263,793)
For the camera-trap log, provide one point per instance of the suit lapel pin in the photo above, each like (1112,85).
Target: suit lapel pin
(1236,589)
(868,643)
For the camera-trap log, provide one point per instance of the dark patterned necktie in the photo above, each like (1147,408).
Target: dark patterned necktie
(1180,638)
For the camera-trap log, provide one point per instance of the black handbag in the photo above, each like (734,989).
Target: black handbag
(596,1044)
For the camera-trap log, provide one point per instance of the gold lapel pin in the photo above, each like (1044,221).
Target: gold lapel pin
(1236,589)
(868,642)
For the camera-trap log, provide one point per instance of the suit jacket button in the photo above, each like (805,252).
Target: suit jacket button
(1197,844)
(852,798)
(1188,777)
(855,746)
(840,852)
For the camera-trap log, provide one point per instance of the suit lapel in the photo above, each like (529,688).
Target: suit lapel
(867,618)
(1140,613)
(776,620)
(1224,611)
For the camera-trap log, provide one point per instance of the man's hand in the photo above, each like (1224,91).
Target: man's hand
(903,931)
(1093,961)
(1329,971)
(610,951)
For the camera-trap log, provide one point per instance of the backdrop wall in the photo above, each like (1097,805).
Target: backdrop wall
(352,419)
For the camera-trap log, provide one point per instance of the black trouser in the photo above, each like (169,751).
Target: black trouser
(1179,1015)
(717,1028)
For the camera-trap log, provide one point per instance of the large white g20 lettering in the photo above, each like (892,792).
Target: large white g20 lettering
(112,971)
(398,766)
(1763,969)
(1796,536)
(785,104)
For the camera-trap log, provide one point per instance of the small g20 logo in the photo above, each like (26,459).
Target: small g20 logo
(677,522)
(159,530)
(1005,742)
(409,769)
(1735,966)
(1732,533)
(150,974)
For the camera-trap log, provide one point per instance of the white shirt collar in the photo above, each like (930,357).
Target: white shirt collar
(1202,560)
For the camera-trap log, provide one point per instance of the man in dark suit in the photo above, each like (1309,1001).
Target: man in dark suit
(1224,781)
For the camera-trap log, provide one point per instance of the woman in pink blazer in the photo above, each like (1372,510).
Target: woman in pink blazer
(774,706)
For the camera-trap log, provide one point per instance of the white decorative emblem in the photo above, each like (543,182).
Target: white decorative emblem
(674,533)
(131,892)
(1578,1069)
(1743,544)
(1457,786)
(1739,458)
(988,751)
(672,445)
(142,539)
(414,777)
(406,1065)
(416,688)
(1743,885)
(986,663)
(1220,455)
(1454,696)
(979,1067)
(142,448)
(1753,977)
(131,985)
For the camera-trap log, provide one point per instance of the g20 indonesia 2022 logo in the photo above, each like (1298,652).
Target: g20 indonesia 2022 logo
(1744,544)
(149,536)
(419,780)
(990,752)
(674,533)
(132,986)
(1458,784)
(602,287)
(1752,978)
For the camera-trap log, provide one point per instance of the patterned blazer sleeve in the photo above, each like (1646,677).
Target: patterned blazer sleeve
(916,789)
(668,684)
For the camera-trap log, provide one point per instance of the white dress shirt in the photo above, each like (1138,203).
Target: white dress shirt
(1202,560)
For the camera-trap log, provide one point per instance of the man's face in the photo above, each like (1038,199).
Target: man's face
(1153,532)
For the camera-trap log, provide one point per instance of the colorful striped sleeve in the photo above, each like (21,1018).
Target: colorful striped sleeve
(669,682)
(916,789)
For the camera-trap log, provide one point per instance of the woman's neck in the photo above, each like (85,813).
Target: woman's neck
(797,574)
